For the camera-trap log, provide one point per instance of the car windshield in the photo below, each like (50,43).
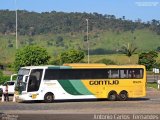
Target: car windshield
(9,83)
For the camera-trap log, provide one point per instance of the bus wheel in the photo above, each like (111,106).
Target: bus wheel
(112,96)
(49,97)
(123,95)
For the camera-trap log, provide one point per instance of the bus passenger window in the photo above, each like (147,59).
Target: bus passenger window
(123,74)
(138,73)
(114,73)
(132,74)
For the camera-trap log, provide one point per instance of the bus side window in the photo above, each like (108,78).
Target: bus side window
(109,73)
(115,73)
(131,74)
(123,74)
(138,73)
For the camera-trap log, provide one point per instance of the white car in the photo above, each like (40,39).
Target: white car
(11,87)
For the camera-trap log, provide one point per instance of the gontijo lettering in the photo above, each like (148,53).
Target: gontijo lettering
(103,82)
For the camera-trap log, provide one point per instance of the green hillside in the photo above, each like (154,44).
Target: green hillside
(59,31)
(144,40)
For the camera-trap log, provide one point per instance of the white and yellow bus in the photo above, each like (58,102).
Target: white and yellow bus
(81,81)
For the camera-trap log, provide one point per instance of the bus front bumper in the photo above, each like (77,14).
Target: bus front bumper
(28,97)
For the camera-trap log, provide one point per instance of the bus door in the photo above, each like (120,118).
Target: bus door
(34,80)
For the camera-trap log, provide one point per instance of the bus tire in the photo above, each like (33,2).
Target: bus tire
(112,96)
(123,95)
(49,97)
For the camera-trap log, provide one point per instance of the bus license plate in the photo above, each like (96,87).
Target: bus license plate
(34,96)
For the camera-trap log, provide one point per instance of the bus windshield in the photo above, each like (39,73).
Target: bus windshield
(21,85)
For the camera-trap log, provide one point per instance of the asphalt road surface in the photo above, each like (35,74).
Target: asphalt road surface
(82,109)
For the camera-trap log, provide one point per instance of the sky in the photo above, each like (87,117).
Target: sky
(146,10)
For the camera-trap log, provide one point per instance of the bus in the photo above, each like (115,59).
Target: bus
(81,81)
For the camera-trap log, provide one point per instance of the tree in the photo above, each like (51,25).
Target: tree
(59,39)
(158,49)
(71,56)
(33,23)
(106,61)
(148,59)
(31,55)
(129,50)
(3,78)
(30,41)
(85,38)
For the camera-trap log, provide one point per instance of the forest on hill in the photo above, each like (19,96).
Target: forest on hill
(60,31)
(33,23)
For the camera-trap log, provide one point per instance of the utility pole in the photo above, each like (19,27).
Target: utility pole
(87,40)
(16,25)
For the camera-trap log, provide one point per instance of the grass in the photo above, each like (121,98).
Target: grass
(152,85)
(117,58)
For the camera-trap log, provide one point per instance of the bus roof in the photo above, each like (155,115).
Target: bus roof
(38,67)
(126,66)
(83,65)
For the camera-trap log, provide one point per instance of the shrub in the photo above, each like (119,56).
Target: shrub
(3,78)
(106,61)
(31,55)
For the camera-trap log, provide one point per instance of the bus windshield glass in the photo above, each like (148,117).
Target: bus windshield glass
(21,86)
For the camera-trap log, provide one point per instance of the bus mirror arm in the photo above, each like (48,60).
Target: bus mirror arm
(25,78)
(11,78)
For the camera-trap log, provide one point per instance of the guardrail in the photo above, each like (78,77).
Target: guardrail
(152,78)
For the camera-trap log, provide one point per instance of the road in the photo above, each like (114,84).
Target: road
(147,105)
(86,109)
